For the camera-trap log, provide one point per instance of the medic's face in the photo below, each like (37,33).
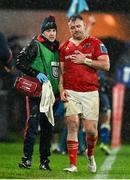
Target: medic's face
(50,34)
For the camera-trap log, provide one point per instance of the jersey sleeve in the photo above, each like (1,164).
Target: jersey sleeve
(100,49)
(61,51)
(61,55)
(26,57)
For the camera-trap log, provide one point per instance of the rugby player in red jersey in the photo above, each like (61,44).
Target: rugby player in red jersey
(80,58)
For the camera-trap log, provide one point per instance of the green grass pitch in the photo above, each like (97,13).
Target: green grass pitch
(10,155)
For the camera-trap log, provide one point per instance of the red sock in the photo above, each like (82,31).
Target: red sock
(91,142)
(72,147)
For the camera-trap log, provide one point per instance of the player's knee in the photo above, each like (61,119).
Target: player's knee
(73,126)
(92,133)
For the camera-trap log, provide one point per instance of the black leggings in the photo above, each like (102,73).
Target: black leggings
(37,118)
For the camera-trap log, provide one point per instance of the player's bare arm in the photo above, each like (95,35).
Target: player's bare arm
(63,93)
(102,61)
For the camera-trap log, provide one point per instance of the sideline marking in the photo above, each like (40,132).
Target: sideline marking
(106,166)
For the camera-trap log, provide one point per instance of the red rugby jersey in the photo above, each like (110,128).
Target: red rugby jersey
(80,77)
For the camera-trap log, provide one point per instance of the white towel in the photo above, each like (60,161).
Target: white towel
(47,101)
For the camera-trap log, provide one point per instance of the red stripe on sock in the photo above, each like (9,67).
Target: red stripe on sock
(72,147)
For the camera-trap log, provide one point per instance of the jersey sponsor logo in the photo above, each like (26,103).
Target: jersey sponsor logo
(86,54)
(103,49)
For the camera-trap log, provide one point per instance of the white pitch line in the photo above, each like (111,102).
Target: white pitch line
(106,166)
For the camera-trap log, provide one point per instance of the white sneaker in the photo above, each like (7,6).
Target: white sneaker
(72,169)
(91,164)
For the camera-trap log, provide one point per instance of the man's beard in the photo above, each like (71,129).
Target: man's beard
(80,37)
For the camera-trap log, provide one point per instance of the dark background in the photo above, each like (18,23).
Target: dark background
(115,48)
(122,6)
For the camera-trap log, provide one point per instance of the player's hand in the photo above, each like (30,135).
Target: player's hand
(64,95)
(78,57)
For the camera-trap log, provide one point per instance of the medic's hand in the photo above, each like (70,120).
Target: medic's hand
(42,78)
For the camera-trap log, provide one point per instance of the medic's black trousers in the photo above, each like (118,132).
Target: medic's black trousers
(37,119)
